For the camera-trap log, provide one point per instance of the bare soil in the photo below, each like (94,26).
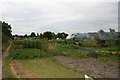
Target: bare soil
(91,66)
(18,69)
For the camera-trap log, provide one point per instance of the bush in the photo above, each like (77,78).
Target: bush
(28,54)
(32,44)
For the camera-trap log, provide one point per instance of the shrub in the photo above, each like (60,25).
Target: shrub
(32,44)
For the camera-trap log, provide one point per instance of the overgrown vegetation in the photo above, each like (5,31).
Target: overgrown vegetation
(23,49)
(67,50)
(6,34)
(37,48)
(32,44)
(28,54)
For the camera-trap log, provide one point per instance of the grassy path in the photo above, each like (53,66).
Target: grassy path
(44,68)
(6,53)
(36,68)
(7,71)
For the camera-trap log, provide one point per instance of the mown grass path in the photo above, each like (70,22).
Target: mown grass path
(44,68)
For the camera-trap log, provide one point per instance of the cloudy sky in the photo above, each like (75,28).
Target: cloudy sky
(70,16)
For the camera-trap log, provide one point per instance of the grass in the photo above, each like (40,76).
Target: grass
(36,60)
(53,47)
(7,72)
(108,59)
(47,68)
(48,49)
(107,48)
(28,54)
(66,50)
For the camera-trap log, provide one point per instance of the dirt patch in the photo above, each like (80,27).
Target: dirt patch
(91,66)
(18,69)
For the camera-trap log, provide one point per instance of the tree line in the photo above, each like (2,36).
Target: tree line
(6,32)
(48,35)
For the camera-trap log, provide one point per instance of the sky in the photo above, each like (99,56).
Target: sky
(70,16)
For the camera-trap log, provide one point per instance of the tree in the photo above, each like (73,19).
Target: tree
(62,35)
(41,35)
(16,35)
(118,39)
(25,36)
(65,35)
(6,32)
(101,31)
(37,34)
(59,35)
(48,35)
(6,29)
(33,34)
(112,30)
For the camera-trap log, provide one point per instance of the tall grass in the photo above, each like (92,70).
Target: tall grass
(28,54)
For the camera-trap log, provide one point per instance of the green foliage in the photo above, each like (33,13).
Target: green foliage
(48,68)
(108,48)
(4,38)
(32,44)
(6,32)
(63,47)
(17,42)
(104,59)
(107,59)
(6,70)
(27,49)
(48,35)
(66,50)
(51,35)
(33,34)
(28,54)
(62,35)
(107,51)
(6,29)
(88,42)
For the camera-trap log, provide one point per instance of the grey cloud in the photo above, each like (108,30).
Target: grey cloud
(69,16)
